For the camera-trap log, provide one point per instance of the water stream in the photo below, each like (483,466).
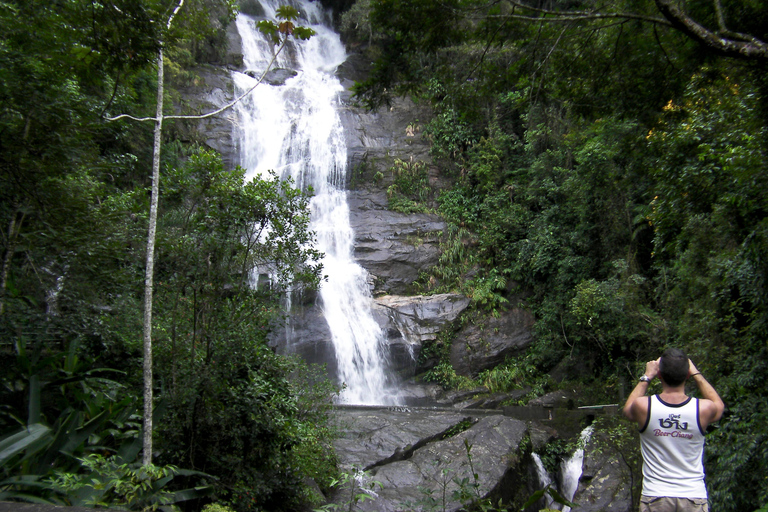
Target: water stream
(295,130)
(569,472)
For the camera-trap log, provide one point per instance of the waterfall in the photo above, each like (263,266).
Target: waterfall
(295,130)
(571,468)
(570,471)
(544,478)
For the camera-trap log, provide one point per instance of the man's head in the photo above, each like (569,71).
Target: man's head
(673,367)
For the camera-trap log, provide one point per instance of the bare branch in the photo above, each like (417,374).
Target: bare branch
(723,29)
(222,109)
(720,17)
(239,98)
(128,116)
(747,46)
(559,16)
(174,13)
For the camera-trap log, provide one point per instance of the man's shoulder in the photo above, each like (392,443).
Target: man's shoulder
(638,410)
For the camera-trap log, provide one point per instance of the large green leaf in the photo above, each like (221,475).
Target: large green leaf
(20,441)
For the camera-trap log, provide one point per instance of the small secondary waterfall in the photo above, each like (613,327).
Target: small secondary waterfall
(544,478)
(295,130)
(570,471)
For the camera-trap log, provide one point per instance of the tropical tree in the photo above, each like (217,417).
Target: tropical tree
(278,33)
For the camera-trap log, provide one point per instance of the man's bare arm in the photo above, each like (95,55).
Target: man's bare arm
(635,409)
(712,407)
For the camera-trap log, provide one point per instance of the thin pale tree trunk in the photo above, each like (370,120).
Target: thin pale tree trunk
(14,227)
(150,267)
(153,206)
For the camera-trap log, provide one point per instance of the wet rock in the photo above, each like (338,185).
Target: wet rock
(409,322)
(413,453)
(561,398)
(210,90)
(455,396)
(276,76)
(393,247)
(406,323)
(540,435)
(373,435)
(606,480)
(490,401)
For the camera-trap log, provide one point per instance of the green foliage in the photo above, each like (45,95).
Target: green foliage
(410,191)
(552,493)
(450,135)
(215,507)
(108,483)
(285,27)
(233,409)
(74,198)
(445,375)
(611,172)
(355,22)
(710,245)
(356,487)
(66,409)
(513,374)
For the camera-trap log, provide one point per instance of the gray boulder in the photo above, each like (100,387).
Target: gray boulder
(276,76)
(393,247)
(606,479)
(209,91)
(376,138)
(411,321)
(486,344)
(407,322)
(415,453)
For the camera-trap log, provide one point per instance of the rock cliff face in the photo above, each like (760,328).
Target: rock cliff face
(393,247)
(414,454)
(419,457)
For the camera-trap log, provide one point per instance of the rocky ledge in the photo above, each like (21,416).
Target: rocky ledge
(409,457)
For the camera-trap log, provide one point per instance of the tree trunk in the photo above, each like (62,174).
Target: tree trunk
(150,266)
(14,228)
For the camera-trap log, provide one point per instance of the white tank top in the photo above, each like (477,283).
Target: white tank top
(672,443)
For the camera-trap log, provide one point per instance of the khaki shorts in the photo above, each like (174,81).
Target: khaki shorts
(664,504)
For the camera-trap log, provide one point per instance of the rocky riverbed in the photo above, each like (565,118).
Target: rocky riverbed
(408,456)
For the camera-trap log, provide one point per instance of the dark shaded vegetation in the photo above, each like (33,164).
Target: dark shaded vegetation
(610,166)
(234,422)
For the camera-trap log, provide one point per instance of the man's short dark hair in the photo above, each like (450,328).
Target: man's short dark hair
(673,366)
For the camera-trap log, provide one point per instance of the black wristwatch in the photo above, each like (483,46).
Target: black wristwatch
(645,378)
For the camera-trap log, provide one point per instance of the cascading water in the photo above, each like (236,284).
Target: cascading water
(295,130)
(544,478)
(570,471)
(571,468)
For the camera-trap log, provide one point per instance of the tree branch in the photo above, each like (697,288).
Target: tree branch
(222,109)
(239,98)
(749,47)
(554,15)
(724,41)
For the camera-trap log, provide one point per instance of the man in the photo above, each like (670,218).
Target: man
(672,427)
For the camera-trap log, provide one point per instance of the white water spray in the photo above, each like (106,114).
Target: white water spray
(544,478)
(295,130)
(571,468)
(570,471)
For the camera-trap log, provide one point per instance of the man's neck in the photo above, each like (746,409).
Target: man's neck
(673,394)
